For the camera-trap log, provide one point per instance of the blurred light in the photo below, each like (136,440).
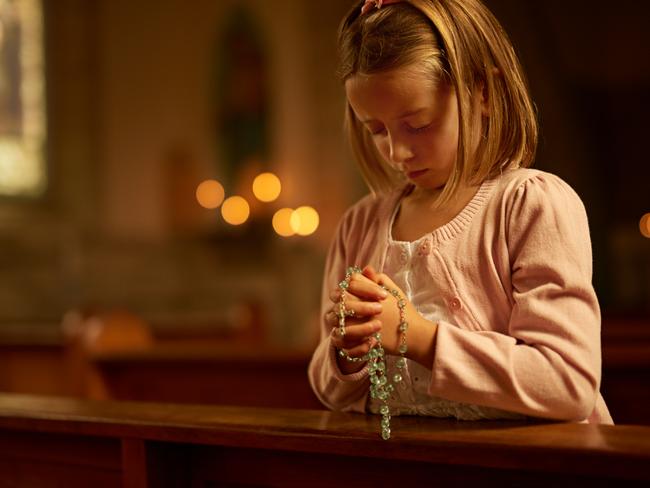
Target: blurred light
(304,221)
(209,194)
(235,210)
(281,222)
(644,225)
(266,187)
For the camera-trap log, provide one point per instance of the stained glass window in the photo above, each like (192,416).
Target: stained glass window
(22,99)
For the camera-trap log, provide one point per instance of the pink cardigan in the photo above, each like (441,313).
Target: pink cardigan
(514,267)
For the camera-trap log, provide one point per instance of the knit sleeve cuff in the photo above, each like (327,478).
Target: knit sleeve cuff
(347,378)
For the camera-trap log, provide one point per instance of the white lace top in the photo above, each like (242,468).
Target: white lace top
(405,264)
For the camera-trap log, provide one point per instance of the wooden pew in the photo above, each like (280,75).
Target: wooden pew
(215,374)
(47,442)
(124,360)
(626,369)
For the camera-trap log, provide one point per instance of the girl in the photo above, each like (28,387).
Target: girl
(477,270)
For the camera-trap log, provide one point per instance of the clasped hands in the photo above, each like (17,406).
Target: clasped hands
(369,309)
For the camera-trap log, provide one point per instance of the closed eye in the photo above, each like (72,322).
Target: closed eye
(417,130)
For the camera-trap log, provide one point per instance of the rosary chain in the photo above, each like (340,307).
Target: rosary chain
(380,386)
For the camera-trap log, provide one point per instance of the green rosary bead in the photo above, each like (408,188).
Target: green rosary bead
(380,387)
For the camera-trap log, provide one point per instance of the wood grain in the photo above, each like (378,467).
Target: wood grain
(195,445)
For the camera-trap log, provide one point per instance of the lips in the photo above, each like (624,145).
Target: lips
(415,174)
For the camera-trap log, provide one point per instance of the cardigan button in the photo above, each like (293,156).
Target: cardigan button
(454,303)
(424,248)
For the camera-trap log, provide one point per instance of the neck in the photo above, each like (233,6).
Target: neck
(426,197)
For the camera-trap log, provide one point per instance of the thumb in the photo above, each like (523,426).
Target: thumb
(370,273)
(383,279)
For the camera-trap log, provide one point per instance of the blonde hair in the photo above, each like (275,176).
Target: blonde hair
(455,41)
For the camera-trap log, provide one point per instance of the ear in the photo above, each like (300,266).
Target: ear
(483,92)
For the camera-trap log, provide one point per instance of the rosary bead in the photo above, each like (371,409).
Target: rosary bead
(380,386)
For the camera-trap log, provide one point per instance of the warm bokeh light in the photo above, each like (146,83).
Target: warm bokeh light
(266,187)
(235,210)
(644,225)
(304,221)
(282,222)
(210,194)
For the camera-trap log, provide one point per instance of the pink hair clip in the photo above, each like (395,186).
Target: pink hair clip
(375,3)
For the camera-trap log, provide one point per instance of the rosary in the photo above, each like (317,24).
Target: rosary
(380,386)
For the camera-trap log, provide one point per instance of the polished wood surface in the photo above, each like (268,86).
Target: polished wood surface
(187,445)
(219,370)
(211,373)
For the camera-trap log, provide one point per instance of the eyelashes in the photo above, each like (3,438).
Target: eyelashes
(411,130)
(417,130)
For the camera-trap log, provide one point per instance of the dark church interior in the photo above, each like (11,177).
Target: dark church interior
(171,176)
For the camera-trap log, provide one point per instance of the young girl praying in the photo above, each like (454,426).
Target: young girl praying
(461,287)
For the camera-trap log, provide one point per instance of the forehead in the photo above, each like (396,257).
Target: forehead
(388,94)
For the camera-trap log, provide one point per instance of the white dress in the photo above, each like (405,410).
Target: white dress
(405,266)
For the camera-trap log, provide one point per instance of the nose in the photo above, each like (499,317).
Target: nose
(399,151)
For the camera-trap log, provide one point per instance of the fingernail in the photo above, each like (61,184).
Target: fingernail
(383,293)
(376,325)
(376,307)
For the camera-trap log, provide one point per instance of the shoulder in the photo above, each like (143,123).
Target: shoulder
(541,213)
(368,211)
(530,190)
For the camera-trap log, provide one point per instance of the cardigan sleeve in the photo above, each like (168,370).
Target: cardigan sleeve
(334,389)
(548,363)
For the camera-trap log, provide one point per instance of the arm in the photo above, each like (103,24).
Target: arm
(548,363)
(339,390)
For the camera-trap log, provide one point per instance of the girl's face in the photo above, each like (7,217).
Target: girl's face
(413,121)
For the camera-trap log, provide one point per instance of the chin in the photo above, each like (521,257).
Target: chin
(431,185)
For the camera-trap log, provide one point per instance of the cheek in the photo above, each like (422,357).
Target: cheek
(383,147)
(440,147)
(446,142)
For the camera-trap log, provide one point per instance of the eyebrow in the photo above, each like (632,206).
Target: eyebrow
(403,116)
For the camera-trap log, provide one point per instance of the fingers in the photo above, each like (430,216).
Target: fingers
(355,335)
(384,280)
(370,273)
(364,288)
(360,287)
(362,349)
(354,310)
